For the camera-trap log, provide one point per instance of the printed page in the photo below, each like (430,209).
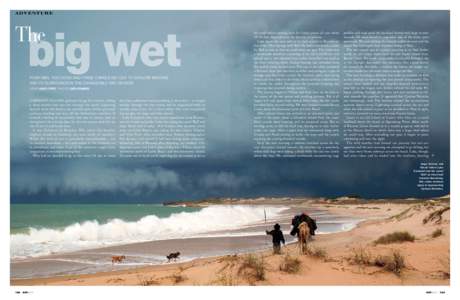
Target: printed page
(229,147)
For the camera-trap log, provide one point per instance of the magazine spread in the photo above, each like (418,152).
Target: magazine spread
(228,147)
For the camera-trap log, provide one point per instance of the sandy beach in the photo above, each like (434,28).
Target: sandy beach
(344,258)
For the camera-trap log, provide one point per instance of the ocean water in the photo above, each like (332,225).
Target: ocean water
(42,229)
(25,216)
(51,240)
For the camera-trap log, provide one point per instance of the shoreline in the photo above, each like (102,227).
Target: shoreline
(89,234)
(335,268)
(244,239)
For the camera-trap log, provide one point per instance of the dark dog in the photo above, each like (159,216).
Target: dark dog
(173,256)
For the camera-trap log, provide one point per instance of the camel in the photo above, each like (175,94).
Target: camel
(304,236)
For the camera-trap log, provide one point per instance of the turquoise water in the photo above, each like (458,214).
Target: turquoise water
(57,216)
(42,229)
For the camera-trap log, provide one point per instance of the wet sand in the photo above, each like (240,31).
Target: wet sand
(213,243)
(426,259)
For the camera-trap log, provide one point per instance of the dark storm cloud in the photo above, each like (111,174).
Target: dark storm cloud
(87,179)
(240,178)
(238,47)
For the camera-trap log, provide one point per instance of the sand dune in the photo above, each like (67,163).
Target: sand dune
(346,258)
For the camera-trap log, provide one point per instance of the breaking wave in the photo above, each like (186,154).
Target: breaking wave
(92,234)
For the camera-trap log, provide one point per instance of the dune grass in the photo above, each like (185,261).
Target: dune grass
(178,278)
(290,265)
(394,263)
(436,233)
(395,237)
(253,267)
(315,252)
(402,214)
(436,216)
(147,281)
(361,256)
(226,279)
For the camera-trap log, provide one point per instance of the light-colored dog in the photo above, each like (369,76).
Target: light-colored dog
(118,259)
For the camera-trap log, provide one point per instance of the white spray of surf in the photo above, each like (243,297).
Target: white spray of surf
(92,234)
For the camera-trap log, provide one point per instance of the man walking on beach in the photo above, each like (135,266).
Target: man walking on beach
(278,237)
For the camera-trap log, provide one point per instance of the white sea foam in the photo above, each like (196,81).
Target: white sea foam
(91,234)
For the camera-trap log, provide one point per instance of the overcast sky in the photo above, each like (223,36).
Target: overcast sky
(216,65)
